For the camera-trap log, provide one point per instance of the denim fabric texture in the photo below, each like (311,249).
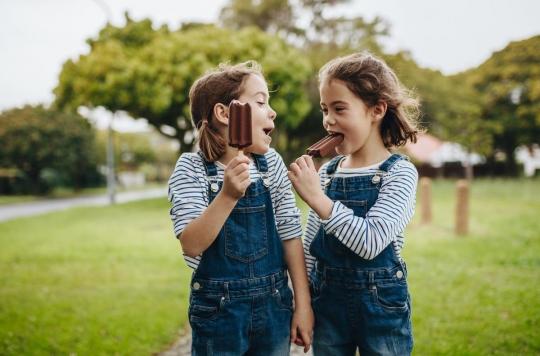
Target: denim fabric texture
(359,304)
(240,302)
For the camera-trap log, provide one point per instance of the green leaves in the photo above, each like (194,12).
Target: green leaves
(35,139)
(151,78)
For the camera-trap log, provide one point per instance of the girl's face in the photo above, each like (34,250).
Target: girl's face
(345,113)
(262,115)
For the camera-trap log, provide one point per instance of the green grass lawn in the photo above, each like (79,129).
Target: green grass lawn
(111,280)
(91,281)
(478,294)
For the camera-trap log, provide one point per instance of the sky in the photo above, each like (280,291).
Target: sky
(37,37)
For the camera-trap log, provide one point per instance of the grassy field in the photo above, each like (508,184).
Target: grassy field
(91,281)
(111,280)
(478,294)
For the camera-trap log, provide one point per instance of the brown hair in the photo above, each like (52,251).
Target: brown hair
(370,78)
(220,85)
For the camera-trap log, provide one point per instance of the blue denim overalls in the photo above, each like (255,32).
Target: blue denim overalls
(358,303)
(240,302)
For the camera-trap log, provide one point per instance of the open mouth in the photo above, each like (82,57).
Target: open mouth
(267,131)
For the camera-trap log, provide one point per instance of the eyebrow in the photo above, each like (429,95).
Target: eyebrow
(334,103)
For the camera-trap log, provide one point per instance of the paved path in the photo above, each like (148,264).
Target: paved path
(17,210)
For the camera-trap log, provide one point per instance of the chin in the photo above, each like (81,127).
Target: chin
(258,149)
(342,151)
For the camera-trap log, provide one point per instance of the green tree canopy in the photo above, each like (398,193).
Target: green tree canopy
(151,78)
(451,109)
(35,139)
(509,86)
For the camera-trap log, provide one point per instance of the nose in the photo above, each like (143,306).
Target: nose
(272,114)
(328,121)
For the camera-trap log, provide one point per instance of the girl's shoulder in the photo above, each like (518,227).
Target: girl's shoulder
(403,165)
(194,157)
(403,169)
(189,164)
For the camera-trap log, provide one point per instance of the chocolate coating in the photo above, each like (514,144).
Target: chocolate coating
(240,134)
(325,146)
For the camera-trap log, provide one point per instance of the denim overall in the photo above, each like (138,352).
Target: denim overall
(240,302)
(358,303)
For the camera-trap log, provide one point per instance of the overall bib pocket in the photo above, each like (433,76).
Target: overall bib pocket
(245,234)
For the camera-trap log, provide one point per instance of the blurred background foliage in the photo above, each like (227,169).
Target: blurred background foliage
(146,71)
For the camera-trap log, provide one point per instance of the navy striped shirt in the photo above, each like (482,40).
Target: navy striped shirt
(384,222)
(188,193)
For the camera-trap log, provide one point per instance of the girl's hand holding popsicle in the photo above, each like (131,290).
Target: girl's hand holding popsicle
(236,179)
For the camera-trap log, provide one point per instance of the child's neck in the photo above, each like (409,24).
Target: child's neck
(366,156)
(229,154)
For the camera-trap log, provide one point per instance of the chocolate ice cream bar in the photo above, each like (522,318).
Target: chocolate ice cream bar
(325,146)
(240,135)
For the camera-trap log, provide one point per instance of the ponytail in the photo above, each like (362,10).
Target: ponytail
(219,86)
(211,142)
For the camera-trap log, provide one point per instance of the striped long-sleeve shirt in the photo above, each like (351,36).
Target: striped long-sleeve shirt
(188,194)
(384,222)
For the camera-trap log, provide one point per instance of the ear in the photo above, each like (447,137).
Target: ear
(221,113)
(379,110)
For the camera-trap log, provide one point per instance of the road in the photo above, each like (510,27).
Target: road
(18,210)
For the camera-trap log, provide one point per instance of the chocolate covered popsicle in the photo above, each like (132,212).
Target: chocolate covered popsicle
(240,134)
(325,146)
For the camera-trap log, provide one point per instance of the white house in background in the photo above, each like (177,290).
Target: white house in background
(435,152)
(529,156)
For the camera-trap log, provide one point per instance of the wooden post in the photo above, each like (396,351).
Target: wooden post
(425,200)
(462,207)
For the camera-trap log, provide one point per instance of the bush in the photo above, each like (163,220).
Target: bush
(47,148)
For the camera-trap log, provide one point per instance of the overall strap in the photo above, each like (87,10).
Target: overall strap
(210,167)
(260,161)
(332,166)
(386,165)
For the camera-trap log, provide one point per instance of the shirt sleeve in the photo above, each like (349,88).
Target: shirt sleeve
(312,227)
(385,221)
(186,195)
(287,214)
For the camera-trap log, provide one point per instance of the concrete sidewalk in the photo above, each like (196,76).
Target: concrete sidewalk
(17,210)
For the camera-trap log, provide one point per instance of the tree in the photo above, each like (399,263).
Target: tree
(509,86)
(318,39)
(305,23)
(151,78)
(36,140)
(450,108)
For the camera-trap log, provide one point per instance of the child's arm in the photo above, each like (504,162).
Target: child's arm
(199,234)
(386,219)
(289,229)
(303,319)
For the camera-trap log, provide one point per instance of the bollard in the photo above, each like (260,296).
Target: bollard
(425,200)
(462,207)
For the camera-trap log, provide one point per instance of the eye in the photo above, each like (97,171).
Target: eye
(339,109)
(261,103)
